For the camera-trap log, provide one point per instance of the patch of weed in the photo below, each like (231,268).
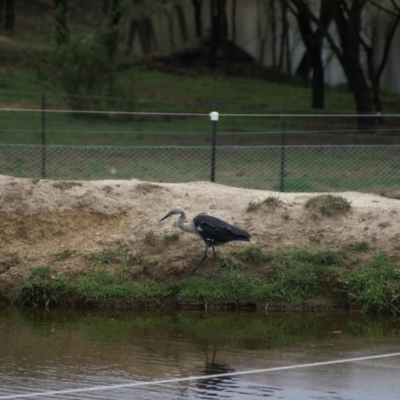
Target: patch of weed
(320,257)
(227,263)
(105,256)
(270,202)
(328,205)
(231,287)
(171,237)
(102,284)
(150,238)
(361,246)
(65,254)
(252,254)
(297,275)
(41,288)
(375,286)
(317,237)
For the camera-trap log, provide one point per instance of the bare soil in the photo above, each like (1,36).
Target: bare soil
(41,219)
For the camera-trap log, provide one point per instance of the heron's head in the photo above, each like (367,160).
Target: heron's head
(174,211)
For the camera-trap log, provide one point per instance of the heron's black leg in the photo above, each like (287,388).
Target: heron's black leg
(213,250)
(213,266)
(197,266)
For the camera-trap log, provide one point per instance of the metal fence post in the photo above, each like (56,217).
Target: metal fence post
(214,115)
(43,136)
(282,178)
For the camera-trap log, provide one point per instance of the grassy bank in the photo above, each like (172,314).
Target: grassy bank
(250,278)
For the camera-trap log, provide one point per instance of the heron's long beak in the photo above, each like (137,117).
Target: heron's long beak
(162,219)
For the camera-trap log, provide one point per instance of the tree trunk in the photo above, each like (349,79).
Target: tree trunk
(313,40)
(7,14)
(116,12)
(272,9)
(219,30)
(62,33)
(361,93)
(348,22)
(233,21)
(212,57)
(318,78)
(197,18)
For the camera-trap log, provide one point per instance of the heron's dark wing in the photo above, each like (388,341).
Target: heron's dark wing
(214,231)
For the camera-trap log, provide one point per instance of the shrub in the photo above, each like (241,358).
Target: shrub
(328,205)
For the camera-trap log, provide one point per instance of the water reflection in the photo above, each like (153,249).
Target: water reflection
(64,349)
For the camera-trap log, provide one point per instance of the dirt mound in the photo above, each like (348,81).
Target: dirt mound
(41,219)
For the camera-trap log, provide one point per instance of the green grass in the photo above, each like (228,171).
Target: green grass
(65,254)
(328,205)
(41,288)
(252,254)
(101,285)
(271,202)
(288,278)
(171,237)
(150,238)
(375,287)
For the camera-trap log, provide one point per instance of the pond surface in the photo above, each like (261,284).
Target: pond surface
(67,354)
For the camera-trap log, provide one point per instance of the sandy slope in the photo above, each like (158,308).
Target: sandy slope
(40,219)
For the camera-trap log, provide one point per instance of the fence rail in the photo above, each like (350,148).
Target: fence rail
(280,163)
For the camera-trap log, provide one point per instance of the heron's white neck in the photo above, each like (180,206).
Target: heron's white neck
(187,226)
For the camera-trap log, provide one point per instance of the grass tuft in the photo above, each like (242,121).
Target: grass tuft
(328,205)
(65,254)
(171,237)
(361,246)
(102,284)
(271,202)
(375,286)
(106,256)
(150,238)
(252,254)
(231,287)
(41,288)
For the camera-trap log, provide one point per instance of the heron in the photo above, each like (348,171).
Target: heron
(212,230)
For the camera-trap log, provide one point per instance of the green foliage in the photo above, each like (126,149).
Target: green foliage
(65,254)
(231,287)
(121,254)
(297,275)
(41,288)
(150,238)
(361,246)
(320,257)
(375,286)
(105,256)
(252,254)
(270,202)
(317,237)
(328,205)
(171,237)
(102,284)
(86,70)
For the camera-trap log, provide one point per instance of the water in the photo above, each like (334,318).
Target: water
(104,354)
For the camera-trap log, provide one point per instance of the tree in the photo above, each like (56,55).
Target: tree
(345,42)
(62,32)
(197,18)
(390,13)
(219,29)
(312,37)
(348,19)
(7,14)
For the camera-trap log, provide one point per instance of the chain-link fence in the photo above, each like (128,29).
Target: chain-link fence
(265,153)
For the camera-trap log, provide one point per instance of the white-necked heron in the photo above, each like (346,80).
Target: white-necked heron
(212,230)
